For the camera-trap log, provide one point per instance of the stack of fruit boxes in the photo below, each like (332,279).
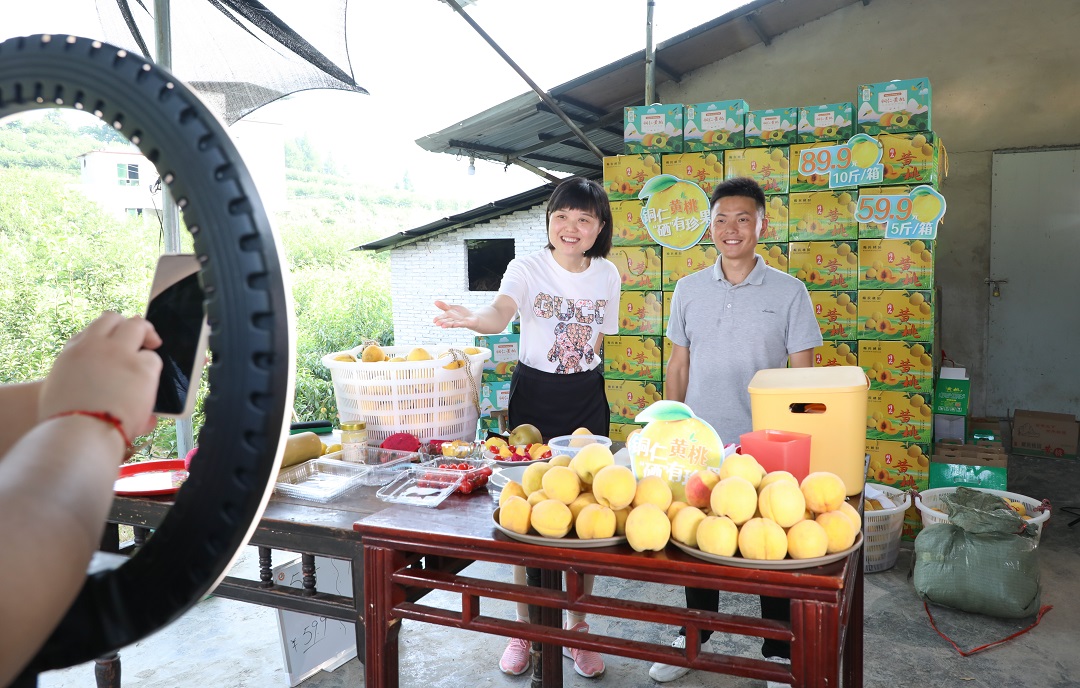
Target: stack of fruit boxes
(873,296)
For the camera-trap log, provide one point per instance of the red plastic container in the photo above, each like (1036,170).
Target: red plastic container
(779,450)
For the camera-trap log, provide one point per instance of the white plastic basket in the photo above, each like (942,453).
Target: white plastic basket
(420,397)
(932,507)
(882,529)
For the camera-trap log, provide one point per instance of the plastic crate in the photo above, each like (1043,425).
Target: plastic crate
(931,506)
(882,529)
(424,398)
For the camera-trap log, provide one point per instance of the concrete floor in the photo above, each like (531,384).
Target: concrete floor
(226,644)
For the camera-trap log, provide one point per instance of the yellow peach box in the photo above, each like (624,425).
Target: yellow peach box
(827,265)
(874,230)
(903,465)
(640,313)
(897,314)
(668,346)
(798,183)
(632,358)
(831,122)
(639,267)
(627,398)
(911,158)
(774,255)
(897,105)
(714,126)
(667,308)
(898,416)
(836,313)
(653,128)
(618,432)
(836,353)
(897,366)
(627,229)
(819,215)
(625,175)
(772,127)
(776,216)
(704,169)
(896,264)
(767,166)
(679,264)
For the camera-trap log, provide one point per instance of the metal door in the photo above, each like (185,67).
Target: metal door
(1034,321)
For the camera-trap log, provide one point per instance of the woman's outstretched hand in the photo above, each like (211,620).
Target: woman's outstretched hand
(455,316)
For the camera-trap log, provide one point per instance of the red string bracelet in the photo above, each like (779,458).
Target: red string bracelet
(103,416)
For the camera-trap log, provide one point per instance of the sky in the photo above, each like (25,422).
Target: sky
(427,69)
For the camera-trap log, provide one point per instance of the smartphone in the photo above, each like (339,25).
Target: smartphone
(176,311)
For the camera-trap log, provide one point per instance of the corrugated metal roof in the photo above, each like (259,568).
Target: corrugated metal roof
(524,128)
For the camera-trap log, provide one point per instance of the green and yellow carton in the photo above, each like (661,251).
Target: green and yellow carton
(911,158)
(627,229)
(632,358)
(899,416)
(679,264)
(667,308)
(627,398)
(774,255)
(772,127)
(776,217)
(767,166)
(504,355)
(836,313)
(832,122)
(876,230)
(639,267)
(705,169)
(824,265)
(896,264)
(625,175)
(897,314)
(653,129)
(640,313)
(898,366)
(901,105)
(715,126)
(819,215)
(618,432)
(836,353)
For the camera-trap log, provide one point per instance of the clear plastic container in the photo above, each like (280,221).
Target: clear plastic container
(320,480)
(421,486)
(382,464)
(561,445)
(474,471)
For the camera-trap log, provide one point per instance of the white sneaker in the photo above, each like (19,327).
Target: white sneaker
(663,673)
(777,684)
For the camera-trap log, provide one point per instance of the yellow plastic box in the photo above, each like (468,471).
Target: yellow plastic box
(829,404)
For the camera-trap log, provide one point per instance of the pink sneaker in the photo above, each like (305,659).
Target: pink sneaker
(586,662)
(515,658)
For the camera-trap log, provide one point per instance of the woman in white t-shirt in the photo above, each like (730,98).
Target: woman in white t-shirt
(568,297)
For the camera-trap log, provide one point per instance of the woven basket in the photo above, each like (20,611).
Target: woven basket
(932,507)
(882,529)
(425,398)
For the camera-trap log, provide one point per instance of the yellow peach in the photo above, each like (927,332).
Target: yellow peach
(684,525)
(615,486)
(761,538)
(551,518)
(823,491)
(561,483)
(782,502)
(514,515)
(839,529)
(807,540)
(734,497)
(647,528)
(653,489)
(594,522)
(718,535)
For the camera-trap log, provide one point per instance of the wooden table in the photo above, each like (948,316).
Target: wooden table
(825,631)
(289,524)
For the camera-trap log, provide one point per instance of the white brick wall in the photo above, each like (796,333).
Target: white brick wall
(436,268)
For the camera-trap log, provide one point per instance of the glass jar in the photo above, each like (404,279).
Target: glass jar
(353,441)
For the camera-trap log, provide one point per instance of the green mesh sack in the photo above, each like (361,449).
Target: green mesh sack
(984,561)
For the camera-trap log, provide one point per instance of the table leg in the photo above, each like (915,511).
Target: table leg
(816,650)
(381,644)
(358,603)
(853,641)
(266,572)
(532,578)
(552,617)
(107,671)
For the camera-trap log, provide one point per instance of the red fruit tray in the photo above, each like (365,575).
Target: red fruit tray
(475,472)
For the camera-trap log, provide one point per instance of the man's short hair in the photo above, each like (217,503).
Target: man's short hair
(739,186)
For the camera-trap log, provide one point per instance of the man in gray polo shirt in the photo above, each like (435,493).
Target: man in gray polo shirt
(726,323)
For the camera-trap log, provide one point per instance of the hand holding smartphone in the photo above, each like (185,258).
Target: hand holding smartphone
(177,313)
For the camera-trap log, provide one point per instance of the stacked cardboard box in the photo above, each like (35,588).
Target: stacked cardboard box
(495,377)
(873,296)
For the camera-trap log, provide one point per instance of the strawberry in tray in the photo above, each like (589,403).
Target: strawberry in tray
(476,473)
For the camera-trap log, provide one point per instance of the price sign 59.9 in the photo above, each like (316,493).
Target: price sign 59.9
(847,164)
(915,215)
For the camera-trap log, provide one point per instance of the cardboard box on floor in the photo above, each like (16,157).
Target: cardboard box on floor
(985,464)
(1035,433)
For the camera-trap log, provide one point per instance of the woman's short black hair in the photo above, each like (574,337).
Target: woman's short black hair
(577,193)
(739,186)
